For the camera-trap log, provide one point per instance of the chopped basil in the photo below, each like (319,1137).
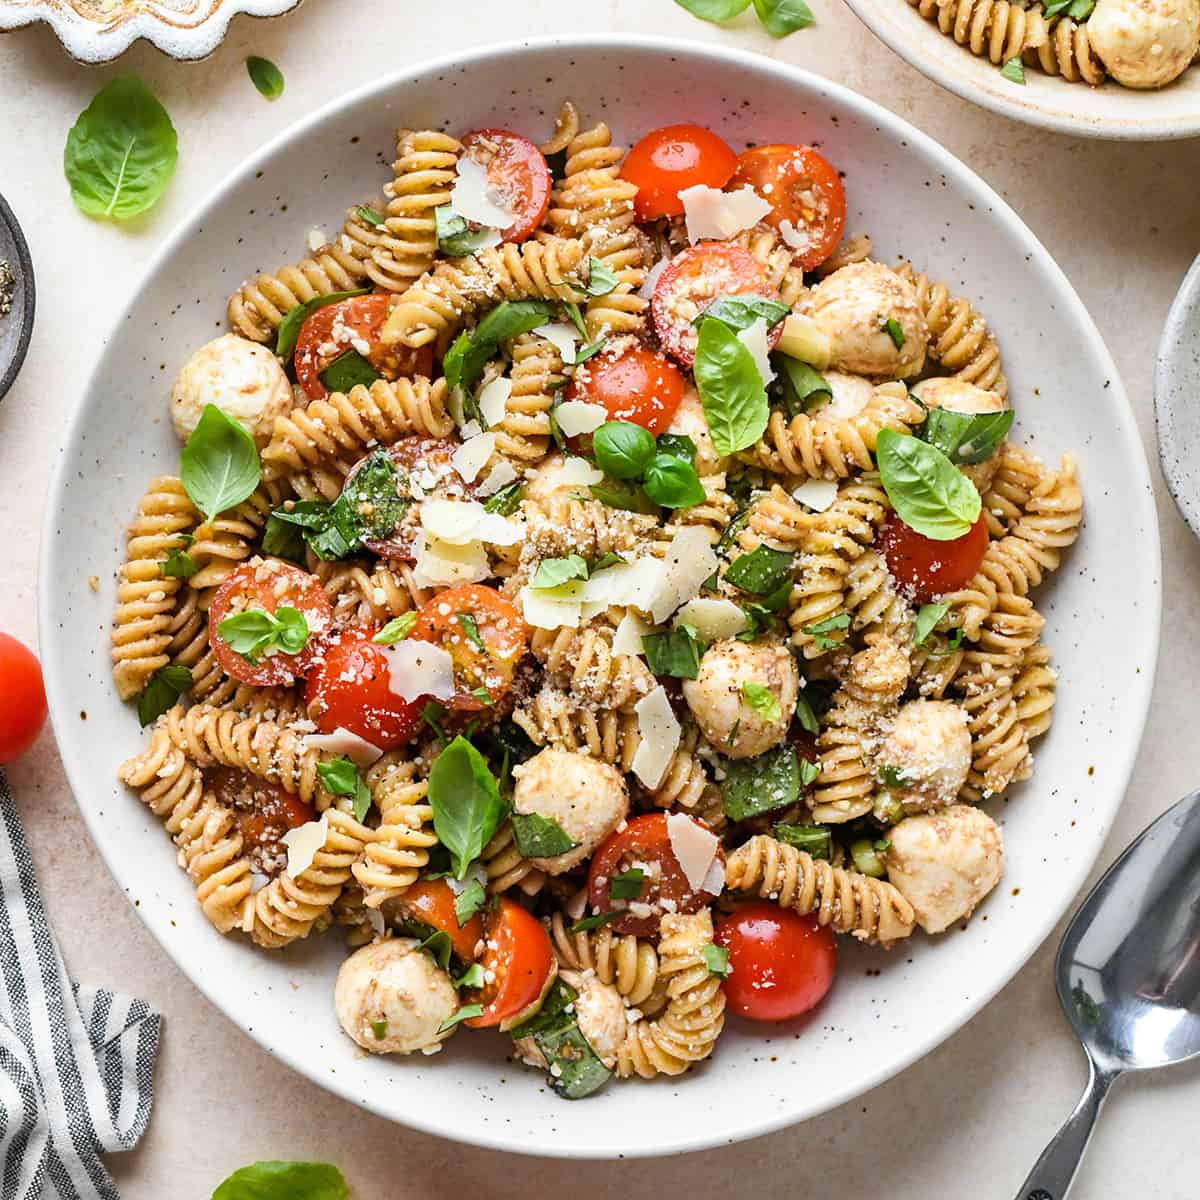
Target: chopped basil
(677,445)
(1077,10)
(283,1181)
(466,803)
(763,701)
(761,572)
(798,386)
(929,493)
(463,1014)
(673,483)
(465,360)
(731,388)
(716,959)
(265,76)
(866,859)
(342,778)
(506,501)
(781,17)
(483,696)
(757,785)
(892,328)
(731,530)
(575,1069)
(892,777)
(290,326)
(576,318)
(628,884)
(611,559)
(540,837)
(179,564)
(164,687)
(469,901)
(966,437)
(553,572)
(1014,70)
(675,653)
(379,1029)
(626,496)
(809,771)
(396,630)
(622,449)
(585,352)
(472,977)
(822,629)
(806,714)
(601,278)
(927,617)
(471,628)
(888,809)
(371,498)
(741,311)
(348,371)
(439,947)
(812,839)
(455,237)
(253,632)
(594,922)
(219,465)
(283,539)
(369,215)
(953,642)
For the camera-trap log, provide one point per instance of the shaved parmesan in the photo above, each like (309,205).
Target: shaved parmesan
(552,608)
(714,881)
(578,416)
(440,563)
(375,920)
(715,620)
(562,336)
(574,472)
(417,669)
(493,400)
(689,561)
(501,475)
(461,522)
(646,291)
(474,199)
(629,634)
(695,849)
(303,845)
(792,236)
(342,741)
(754,338)
(472,456)
(635,584)
(660,736)
(711,213)
(817,494)
(316,239)
(577,905)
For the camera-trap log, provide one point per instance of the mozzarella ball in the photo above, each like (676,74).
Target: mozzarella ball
(944,863)
(396,990)
(585,797)
(1145,43)
(690,421)
(958,396)
(721,706)
(243,379)
(853,305)
(930,748)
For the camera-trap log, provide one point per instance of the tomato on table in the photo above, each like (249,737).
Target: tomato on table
(518,172)
(781,963)
(645,839)
(804,189)
(430,903)
(22,698)
(348,325)
(929,567)
(696,277)
(638,385)
(518,961)
(483,632)
(267,585)
(265,810)
(670,159)
(348,687)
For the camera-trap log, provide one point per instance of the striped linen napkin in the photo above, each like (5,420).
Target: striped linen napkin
(76,1063)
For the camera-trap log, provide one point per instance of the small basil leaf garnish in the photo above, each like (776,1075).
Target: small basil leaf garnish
(622,449)
(456,238)
(1014,70)
(763,701)
(601,278)
(627,885)
(466,803)
(463,1014)
(820,632)
(763,571)
(716,959)
(798,386)
(538,836)
(253,632)
(781,17)
(757,785)
(219,465)
(965,437)
(929,493)
(466,358)
(178,564)
(714,10)
(553,572)
(677,445)
(265,76)
(927,618)
(165,686)
(342,778)
(731,389)
(676,653)
(812,839)
(468,902)
(740,312)
(348,371)
(290,326)
(673,483)
(626,496)
(506,501)
(396,630)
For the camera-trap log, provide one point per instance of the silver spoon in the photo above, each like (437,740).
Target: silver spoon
(1128,978)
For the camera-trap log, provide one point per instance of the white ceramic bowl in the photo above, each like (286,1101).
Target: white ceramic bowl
(1103,611)
(1176,385)
(1110,111)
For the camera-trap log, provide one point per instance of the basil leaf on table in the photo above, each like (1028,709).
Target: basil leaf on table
(290,326)
(799,386)
(929,493)
(965,437)
(622,449)
(455,237)
(781,17)
(466,358)
(283,1181)
(741,311)
(265,76)
(347,371)
(731,389)
(673,483)
(714,10)
(465,799)
(540,837)
(762,571)
(676,653)
(757,785)
(121,151)
(164,687)
(219,465)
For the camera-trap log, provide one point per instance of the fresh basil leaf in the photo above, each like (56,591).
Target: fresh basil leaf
(675,653)
(253,632)
(892,776)
(1014,70)
(342,778)
(293,321)
(380,1028)
(219,464)
(953,642)
(716,959)
(733,529)
(456,237)
(576,315)
(472,977)
(281,539)
(762,571)
(506,501)
(396,630)
(800,387)
(601,278)
(432,715)
(626,496)
(809,771)
(540,837)
(178,564)
(622,449)
(348,371)
(471,628)
(678,445)
(965,437)
(164,687)
(731,389)
(673,483)
(611,559)
(714,10)
(466,803)
(369,215)
(469,901)
(753,786)
(292,632)
(465,360)
(929,493)
(553,572)
(820,632)
(595,921)
(121,151)
(628,884)
(586,352)
(927,618)
(740,312)
(812,839)
(1077,10)
(575,1069)
(283,1181)
(781,17)
(371,501)
(892,328)
(463,1014)
(439,947)
(806,714)
(763,701)
(265,76)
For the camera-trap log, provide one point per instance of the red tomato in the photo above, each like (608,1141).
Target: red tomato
(431,902)
(645,840)
(520,960)
(693,280)
(803,188)
(672,158)
(265,810)
(332,330)
(637,385)
(931,567)
(518,172)
(268,585)
(781,964)
(348,688)
(22,698)
(483,632)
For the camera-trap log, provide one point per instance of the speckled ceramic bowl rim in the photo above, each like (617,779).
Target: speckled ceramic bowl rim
(726,1127)
(1185,310)
(9,370)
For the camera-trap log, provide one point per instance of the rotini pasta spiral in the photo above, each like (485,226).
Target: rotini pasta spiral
(393,857)
(582,662)
(369,597)
(224,543)
(628,963)
(524,431)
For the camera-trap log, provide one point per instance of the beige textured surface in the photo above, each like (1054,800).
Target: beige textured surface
(1124,224)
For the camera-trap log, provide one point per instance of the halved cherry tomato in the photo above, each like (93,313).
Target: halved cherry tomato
(693,280)
(669,159)
(929,567)
(520,961)
(265,811)
(637,385)
(336,328)
(348,687)
(645,840)
(22,698)
(268,585)
(781,963)
(483,632)
(802,188)
(518,172)
(431,902)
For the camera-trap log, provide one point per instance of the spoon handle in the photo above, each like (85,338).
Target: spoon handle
(1052,1173)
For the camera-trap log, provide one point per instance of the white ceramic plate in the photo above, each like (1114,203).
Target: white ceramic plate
(1176,387)
(1110,111)
(1103,612)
